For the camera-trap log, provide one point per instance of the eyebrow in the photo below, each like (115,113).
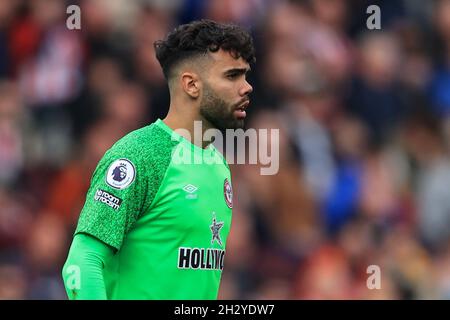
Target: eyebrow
(237,71)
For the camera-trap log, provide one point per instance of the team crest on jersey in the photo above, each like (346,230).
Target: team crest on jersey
(228,193)
(121,174)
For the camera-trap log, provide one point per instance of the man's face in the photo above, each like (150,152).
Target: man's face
(225,91)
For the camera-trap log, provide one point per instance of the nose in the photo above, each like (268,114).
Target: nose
(246,89)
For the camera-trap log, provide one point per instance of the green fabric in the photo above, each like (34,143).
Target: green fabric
(169,223)
(83,271)
(108,224)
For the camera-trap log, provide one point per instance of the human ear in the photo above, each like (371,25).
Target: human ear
(190,84)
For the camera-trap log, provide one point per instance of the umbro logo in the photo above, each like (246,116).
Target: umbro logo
(190,189)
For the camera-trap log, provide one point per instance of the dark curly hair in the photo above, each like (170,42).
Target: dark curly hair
(199,37)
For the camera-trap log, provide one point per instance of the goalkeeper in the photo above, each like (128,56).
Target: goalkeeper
(154,226)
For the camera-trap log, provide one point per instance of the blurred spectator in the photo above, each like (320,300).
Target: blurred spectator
(342,202)
(325,275)
(441,277)
(425,142)
(13,284)
(45,254)
(52,76)
(440,84)
(375,94)
(12,137)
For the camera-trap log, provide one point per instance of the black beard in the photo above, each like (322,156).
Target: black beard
(217,112)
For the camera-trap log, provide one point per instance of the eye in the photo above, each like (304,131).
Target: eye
(232,76)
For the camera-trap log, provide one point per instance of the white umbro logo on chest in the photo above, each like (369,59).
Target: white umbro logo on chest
(190,189)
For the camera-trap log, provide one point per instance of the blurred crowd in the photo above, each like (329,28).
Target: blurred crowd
(364,120)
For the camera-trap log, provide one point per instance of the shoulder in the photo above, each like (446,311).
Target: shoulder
(141,145)
(147,151)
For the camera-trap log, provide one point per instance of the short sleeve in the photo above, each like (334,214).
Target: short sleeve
(115,198)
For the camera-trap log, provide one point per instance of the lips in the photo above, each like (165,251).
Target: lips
(240,110)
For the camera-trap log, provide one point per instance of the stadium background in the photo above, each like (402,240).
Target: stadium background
(364,139)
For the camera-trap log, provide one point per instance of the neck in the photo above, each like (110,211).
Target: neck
(186,121)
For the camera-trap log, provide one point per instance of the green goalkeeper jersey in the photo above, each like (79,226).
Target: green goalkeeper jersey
(165,204)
